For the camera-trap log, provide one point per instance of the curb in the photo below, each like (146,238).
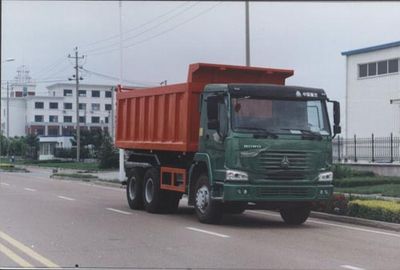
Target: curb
(357,221)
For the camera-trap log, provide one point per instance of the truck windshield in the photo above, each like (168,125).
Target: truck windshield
(279,116)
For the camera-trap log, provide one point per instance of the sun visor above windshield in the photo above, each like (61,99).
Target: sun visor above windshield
(276,91)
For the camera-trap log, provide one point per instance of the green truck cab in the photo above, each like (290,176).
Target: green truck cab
(266,145)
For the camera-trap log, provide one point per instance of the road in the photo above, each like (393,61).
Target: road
(56,223)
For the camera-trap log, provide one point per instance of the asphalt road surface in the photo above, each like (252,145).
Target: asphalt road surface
(56,223)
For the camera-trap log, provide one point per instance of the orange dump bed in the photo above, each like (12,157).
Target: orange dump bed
(168,117)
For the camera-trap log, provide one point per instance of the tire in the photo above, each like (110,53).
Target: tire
(171,202)
(153,196)
(207,210)
(235,208)
(295,215)
(134,189)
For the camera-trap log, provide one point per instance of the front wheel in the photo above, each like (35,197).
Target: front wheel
(295,215)
(207,210)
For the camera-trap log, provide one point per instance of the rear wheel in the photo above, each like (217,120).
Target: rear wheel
(207,210)
(152,194)
(134,189)
(295,215)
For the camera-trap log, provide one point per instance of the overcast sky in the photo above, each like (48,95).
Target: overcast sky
(163,38)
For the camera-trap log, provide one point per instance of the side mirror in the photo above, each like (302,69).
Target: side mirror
(336,113)
(336,118)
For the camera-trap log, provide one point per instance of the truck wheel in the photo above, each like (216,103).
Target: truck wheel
(172,201)
(295,215)
(134,190)
(152,195)
(235,208)
(207,210)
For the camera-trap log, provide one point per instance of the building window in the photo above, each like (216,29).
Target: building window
(53,105)
(82,106)
(106,120)
(95,107)
(108,107)
(95,93)
(382,67)
(67,106)
(108,94)
(53,118)
(378,68)
(95,119)
(362,70)
(371,69)
(82,93)
(52,131)
(67,93)
(38,118)
(82,119)
(67,119)
(393,65)
(39,105)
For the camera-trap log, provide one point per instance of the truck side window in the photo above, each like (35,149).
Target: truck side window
(223,119)
(212,112)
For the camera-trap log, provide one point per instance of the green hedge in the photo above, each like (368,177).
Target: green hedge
(365,181)
(340,171)
(375,209)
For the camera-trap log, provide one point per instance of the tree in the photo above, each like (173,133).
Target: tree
(32,142)
(108,154)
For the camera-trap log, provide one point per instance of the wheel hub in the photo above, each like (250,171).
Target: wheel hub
(132,188)
(149,190)
(202,199)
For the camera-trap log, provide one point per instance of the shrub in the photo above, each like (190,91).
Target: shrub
(108,154)
(337,204)
(375,209)
(365,181)
(340,171)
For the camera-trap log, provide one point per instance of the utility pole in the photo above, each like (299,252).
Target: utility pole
(77,78)
(121,174)
(247,21)
(8,119)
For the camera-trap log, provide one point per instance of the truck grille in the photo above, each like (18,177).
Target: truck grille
(286,192)
(284,165)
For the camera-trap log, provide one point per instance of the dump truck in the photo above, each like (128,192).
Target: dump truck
(230,138)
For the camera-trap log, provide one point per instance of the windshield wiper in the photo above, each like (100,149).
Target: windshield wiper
(306,132)
(264,132)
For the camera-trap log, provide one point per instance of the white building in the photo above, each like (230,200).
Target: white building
(53,116)
(373,91)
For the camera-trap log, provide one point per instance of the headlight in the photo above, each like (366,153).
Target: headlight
(236,175)
(325,177)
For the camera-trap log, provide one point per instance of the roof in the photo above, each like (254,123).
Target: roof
(373,48)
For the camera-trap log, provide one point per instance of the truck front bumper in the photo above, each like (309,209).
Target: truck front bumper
(265,193)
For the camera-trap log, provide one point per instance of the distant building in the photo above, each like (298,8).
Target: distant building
(53,116)
(373,91)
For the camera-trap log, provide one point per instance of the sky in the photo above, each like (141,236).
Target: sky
(161,39)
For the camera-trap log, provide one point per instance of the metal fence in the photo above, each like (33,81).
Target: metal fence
(372,149)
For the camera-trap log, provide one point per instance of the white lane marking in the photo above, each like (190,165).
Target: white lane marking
(119,211)
(29,189)
(351,267)
(66,198)
(335,225)
(208,232)
(5,184)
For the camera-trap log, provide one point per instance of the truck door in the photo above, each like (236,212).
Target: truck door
(216,129)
